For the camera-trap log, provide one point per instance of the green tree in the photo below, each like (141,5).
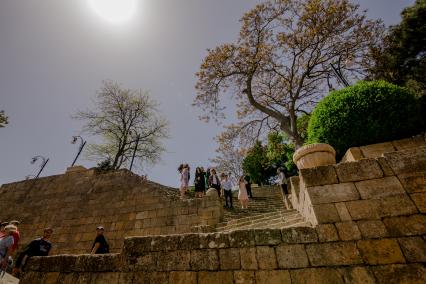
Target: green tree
(401,59)
(257,165)
(280,152)
(3,119)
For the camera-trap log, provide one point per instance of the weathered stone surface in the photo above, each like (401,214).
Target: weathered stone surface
(51,278)
(319,176)
(343,211)
(214,240)
(266,257)
(327,233)
(414,249)
(406,225)
(357,275)
(151,277)
(244,277)
(206,259)
(378,188)
(273,277)
(384,251)
(364,209)
(396,206)
(360,170)
(267,237)
(183,277)
(229,259)
(410,274)
(407,161)
(333,193)
(147,262)
(420,201)
(173,260)
(352,154)
(371,229)
(241,239)
(376,150)
(316,275)
(326,213)
(299,235)
(409,143)
(333,254)
(248,258)
(292,256)
(221,277)
(387,171)
(348,231)
(413,182)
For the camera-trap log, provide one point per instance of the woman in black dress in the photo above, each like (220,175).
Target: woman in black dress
(199,183)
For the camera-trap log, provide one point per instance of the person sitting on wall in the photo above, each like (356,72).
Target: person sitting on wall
(38,247)
(100,245)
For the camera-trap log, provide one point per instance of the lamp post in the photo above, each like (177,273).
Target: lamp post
(43,164)
(335,67)
(80,148)
(134,151)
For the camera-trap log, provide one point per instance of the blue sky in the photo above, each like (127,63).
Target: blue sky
(55,54)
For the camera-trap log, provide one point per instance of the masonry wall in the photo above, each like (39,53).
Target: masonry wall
(74,204)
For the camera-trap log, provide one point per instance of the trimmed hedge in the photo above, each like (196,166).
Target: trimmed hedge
(365,113)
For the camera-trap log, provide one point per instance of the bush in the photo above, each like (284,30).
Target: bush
(366,113)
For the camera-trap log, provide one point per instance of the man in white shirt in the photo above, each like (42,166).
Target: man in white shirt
(227,190)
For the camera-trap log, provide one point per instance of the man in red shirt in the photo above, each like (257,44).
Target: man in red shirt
(16,236)
(2,230)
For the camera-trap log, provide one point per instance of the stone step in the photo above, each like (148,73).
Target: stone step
(260,216)
(297,222)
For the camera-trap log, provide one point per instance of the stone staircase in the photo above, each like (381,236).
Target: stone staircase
(266,210)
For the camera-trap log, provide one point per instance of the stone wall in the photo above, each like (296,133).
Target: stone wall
(75,203)
(377,150)
(371,228)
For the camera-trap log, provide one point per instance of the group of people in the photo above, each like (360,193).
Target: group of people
(222,183)
(9,244)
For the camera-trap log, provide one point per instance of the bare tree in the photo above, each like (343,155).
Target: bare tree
(279,67)
(124,117)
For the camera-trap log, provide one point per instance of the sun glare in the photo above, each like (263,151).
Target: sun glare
(115,11)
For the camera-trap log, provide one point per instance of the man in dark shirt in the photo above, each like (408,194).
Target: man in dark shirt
(100,245)
(38,247)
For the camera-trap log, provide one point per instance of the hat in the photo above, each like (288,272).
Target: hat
(10,228)
(14,222)
(100,228)
(4,223)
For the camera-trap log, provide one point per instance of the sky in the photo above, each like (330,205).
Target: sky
(54,55)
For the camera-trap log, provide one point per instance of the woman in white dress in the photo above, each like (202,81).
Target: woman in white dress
(242,193)
(184,179)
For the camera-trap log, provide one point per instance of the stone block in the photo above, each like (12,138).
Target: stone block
(360,170)
(266,257)
(383,251)
(333,254)
(413,182)
(206,259)
(273,277)
(387,171)
(409,143)
(326,213)
(244,277)
(414,249)
(241,238)
(364,209)
(407,161)
(327,233)
(348,231)
(332,193)
(372,229)
(221,277)
(291,256)
(50,278)
(357,275)
(352,154)
(214,240)
(319,176)
(106,277)
(376,150)
(343,211)
(406,225)
(183,277)
(147,262)
(266,237)
(378,188)
(420,201)
(299,235)
(151,278)
(316,275)
(396,206)
(229,259)
(173,260)
(248,258)
(295,186)
(399,273)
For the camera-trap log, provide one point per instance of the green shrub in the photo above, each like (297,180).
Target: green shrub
(365,113)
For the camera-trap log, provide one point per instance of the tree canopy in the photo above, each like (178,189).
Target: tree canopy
(123,117)
(279,67)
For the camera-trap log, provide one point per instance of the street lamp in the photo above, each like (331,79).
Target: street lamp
(335,67)
(43,164)
(138,137)
(80,148)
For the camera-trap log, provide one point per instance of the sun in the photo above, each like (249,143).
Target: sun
(115,11)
